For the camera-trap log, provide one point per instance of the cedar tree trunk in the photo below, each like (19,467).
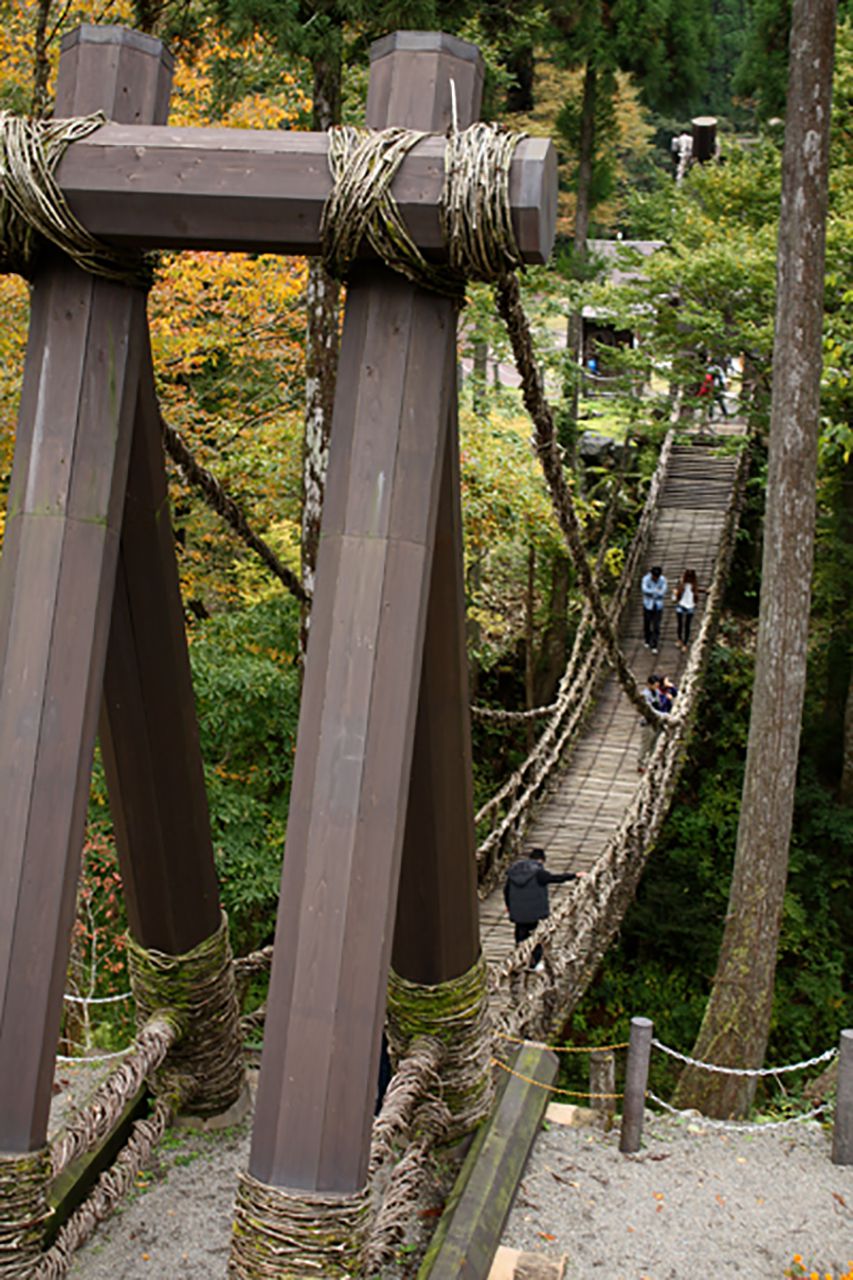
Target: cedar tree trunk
(736,1025)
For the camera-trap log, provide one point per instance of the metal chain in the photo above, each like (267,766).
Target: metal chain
(734,1126)
(745,1071)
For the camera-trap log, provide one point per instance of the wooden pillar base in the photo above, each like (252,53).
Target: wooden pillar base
(24,1211)
(455,1013)
(198,987)
(301,1232)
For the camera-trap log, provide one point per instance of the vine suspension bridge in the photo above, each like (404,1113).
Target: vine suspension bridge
(85,628)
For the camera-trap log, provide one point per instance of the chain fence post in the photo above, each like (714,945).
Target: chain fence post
(602,1082)
(636,1082)
(842,1133)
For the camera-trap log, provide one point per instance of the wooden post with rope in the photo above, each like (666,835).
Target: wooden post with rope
(89,601)
(842,1132)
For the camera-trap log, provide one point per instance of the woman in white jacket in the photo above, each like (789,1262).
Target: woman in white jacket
(685,596)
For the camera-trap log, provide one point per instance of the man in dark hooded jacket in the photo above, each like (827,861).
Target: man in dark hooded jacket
(526,895)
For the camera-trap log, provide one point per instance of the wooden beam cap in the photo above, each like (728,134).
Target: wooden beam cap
(88,33)
(426,42)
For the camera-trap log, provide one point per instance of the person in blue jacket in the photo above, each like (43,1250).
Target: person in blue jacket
(653,587)
(526,895)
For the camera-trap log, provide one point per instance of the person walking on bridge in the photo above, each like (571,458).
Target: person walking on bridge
(526,896)
(653,587)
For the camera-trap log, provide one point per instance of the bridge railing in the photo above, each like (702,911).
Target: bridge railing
(508,811)
(577,934)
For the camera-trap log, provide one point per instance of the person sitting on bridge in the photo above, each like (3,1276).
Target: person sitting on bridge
(526,896)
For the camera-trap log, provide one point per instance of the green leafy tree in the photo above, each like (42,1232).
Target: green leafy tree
(662,46)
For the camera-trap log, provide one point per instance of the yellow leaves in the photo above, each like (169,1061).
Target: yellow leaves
(221,57)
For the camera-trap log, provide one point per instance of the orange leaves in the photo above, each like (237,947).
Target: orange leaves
(241,64)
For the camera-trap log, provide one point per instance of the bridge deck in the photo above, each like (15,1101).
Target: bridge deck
(588,798)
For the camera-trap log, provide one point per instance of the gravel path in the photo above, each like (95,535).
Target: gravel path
(695,1202)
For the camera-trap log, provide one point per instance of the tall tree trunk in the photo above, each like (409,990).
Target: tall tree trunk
(838,711)
(845,790)
(40,104)
(736,1025)
(521,66)
(529,640)
(574,333)
(555,640)
(321,356)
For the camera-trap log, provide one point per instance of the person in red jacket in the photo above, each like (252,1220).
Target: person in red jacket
(526,896)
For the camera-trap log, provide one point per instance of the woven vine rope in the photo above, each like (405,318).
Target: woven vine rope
(412,1122)
(103,1111)
(198,989)
(476,217)
(116,1181)
(279,1236)
(33,209)
(456,1014)
(23,1211)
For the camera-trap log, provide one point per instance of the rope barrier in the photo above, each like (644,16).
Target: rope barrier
(733,1126)
(745,1071)
(92,1059)
(563,1048)
(122,995)
(115,1182)
(552,1088)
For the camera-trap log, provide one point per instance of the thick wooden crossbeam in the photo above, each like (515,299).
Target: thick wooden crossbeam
(246,189)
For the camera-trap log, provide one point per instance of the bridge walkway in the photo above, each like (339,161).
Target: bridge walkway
(589,796)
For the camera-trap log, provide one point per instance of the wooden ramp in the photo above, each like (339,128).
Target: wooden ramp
(589,796)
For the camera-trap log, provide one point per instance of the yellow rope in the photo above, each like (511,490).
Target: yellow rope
(551,1088)
(565,1048)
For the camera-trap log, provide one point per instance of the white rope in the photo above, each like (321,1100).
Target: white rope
(87,1060)
(745,1071)
(122,995)
(734,1126)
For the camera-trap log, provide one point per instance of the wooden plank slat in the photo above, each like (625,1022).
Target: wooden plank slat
(470,1228)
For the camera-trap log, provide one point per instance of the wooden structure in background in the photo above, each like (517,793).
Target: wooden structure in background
(89,603)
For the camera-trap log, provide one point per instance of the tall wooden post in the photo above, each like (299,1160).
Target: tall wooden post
(437,934)
(363,672)
(56,588)
(148,729)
